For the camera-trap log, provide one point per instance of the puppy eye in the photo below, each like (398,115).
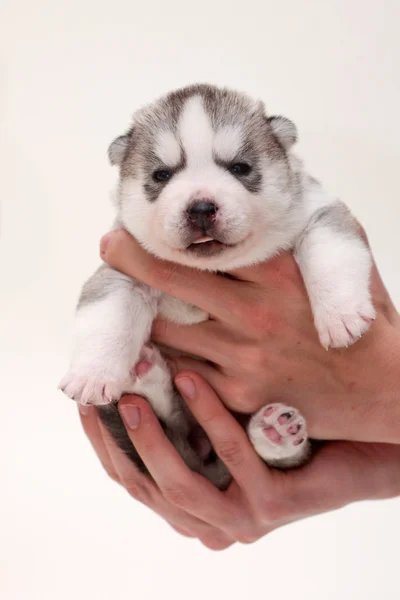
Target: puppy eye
(162,175)
(240,169)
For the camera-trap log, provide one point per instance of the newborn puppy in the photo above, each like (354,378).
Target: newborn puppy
(208,180)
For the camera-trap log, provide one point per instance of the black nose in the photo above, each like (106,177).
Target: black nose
(202,212)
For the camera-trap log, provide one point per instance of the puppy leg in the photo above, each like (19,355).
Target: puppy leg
(335,264)
(112,325)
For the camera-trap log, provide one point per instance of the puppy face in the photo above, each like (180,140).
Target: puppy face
(206,179)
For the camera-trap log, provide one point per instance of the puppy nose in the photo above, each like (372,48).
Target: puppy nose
(202,212)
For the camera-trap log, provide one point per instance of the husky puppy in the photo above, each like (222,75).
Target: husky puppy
(207,179)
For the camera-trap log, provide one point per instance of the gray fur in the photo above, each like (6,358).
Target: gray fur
(336,217)
(252,181)
(284,130)
(135,151)
(102,283)
(178,435)
(153,187)
(118,148)
(267,141)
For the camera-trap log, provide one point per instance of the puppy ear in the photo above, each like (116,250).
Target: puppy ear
(284,130)
(117,149)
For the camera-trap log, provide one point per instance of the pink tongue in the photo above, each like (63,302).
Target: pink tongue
(203,239)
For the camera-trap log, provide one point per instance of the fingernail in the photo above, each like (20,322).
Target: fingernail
(105,240)
(131,416)
(84,409)
(187,387)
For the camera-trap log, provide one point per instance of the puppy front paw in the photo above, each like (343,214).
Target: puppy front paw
(279,435)
(343,324)
(95,386)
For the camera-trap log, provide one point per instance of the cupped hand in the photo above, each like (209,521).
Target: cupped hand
(261,346)
(259,499)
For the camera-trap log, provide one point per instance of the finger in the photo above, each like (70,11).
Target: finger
(210,292)
(180,530)
(275,497)
(229,390)
(227,437)
(214,540)
(143,489)
(344,472)
(90,423)
(210,536)
(178,484)
(207,340)
(123,471)
(274,272)
(136,483)
(217,381)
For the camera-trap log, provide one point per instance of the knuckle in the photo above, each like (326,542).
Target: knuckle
(230,452)
(182,531)
(116,248)
(180,495)
(238,390)
(259,321)
(254,358)
(137,490)
(114,244)
(165,275)
(112,474)
(272,511)
(246,538)
(216,542)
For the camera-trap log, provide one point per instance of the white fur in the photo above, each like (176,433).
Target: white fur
(157,385)
(227,142)
(180,312)
(336,272)
(107,340)
(256,228)
(196,132)
(110,334)
(168,149)
(288,448)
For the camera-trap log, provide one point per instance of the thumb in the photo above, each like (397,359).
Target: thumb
(177,364)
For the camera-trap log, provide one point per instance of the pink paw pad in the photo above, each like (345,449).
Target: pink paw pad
(144,365)
(142,368)
(293,429)
(283,425)
(268,411)
(272,434)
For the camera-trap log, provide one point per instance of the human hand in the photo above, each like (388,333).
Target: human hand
(259,499)
(262,345)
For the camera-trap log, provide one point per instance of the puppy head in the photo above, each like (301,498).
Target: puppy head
(207,180)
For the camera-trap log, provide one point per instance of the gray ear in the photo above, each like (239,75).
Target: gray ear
(285,130)
(117,149)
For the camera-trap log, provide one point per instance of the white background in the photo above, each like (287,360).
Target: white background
(71,74)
